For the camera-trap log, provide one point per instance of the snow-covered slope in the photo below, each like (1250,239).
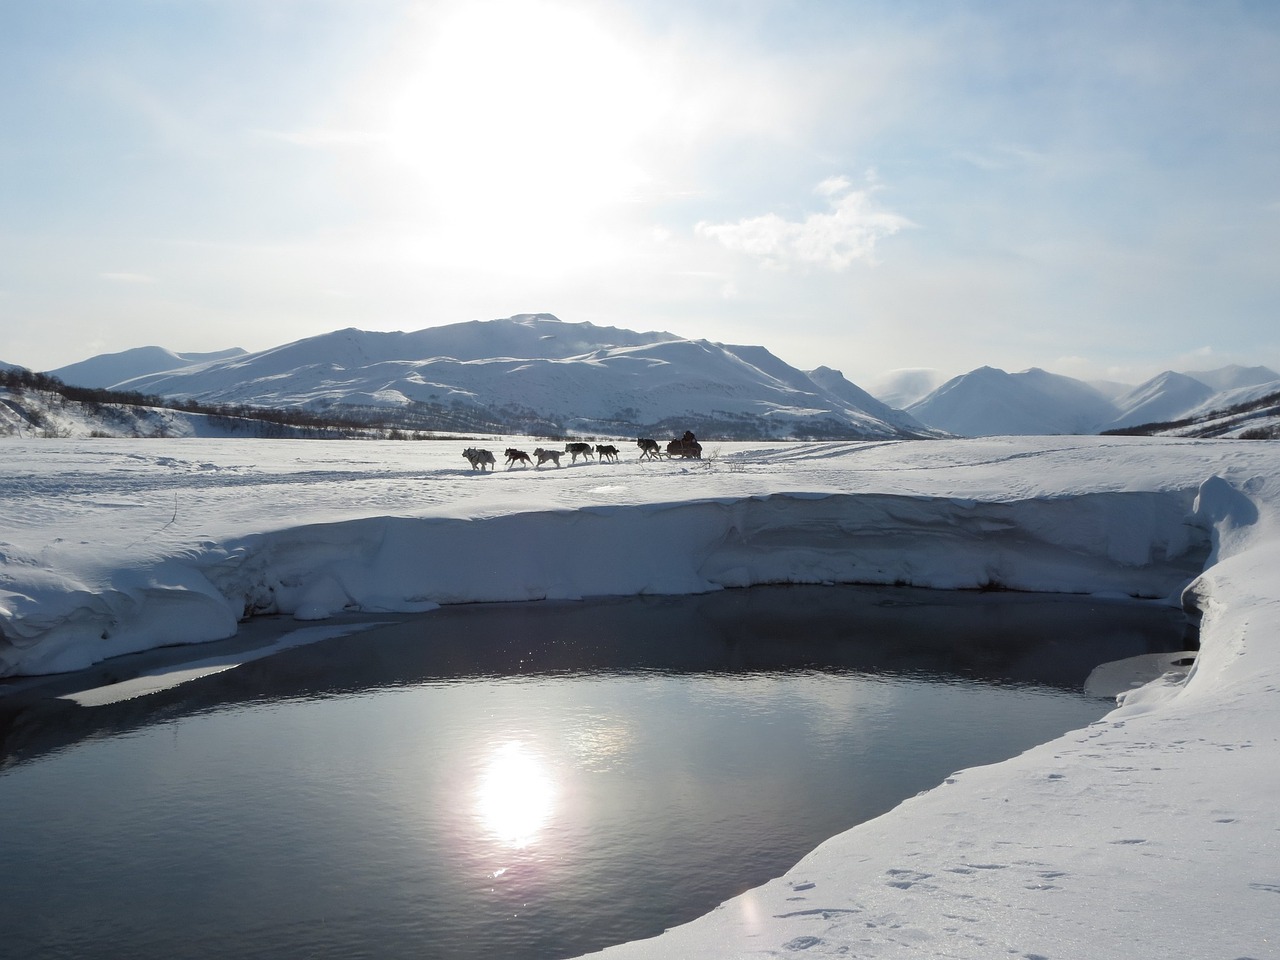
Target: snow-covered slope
(575,377)
(1167,396)
(1248,412)
(1235,397)
(1151,833)
(108,369)
(1234,377)
(45,414)
(991,402)
(853,397)
(37,413)
(1165,405)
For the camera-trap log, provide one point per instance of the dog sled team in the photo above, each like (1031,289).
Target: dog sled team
(650,449)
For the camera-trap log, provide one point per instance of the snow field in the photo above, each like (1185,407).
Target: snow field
(1150,833)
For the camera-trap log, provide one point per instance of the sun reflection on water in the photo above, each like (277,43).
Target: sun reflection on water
(515,796)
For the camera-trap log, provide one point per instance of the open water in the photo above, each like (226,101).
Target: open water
(523,780)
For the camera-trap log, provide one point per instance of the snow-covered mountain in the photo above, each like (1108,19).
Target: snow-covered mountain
(108,369)
(1166,396)
(1234,377)
(1231,400)
(533,373)
(540,373)
(991,402)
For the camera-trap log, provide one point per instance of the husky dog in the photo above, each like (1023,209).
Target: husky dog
(478,458)
(649,449)
(578,450)
(607,452)
(545,455)
(515,456)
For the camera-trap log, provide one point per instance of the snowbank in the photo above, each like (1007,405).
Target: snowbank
(1151,833)
(1123,542)
(1135,543)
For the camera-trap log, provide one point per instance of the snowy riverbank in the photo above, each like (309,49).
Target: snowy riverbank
(1150,833)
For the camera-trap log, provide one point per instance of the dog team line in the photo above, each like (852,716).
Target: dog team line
(686,447)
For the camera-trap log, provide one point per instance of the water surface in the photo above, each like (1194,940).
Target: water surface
(523,780)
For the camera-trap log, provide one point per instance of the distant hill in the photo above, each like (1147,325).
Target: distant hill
(1169,397)
(990,402)
(834,382)
(1234,377)
(533,373)
(108,369)
(1164,397)
(1254,416)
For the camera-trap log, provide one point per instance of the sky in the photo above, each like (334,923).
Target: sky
(1087,187)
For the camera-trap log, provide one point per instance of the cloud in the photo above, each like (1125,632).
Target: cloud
(848,232)
(1002,157)
(833,186)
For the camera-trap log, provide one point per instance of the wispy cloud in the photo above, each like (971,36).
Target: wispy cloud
(1004,156)
(848,232)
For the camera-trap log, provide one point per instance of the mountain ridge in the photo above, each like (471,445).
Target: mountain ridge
(533,372)
(539,372)
(989,401)
(105,370)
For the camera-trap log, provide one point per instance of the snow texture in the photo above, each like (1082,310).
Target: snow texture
(1150,833)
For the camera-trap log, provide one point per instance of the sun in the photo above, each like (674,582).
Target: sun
(515,125)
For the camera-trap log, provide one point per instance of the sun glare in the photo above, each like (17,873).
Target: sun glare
(519,121)
(515,796)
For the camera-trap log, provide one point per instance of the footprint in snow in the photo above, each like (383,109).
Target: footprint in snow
(905,879)
(802,943)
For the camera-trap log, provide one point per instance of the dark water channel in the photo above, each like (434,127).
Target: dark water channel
(523,780)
